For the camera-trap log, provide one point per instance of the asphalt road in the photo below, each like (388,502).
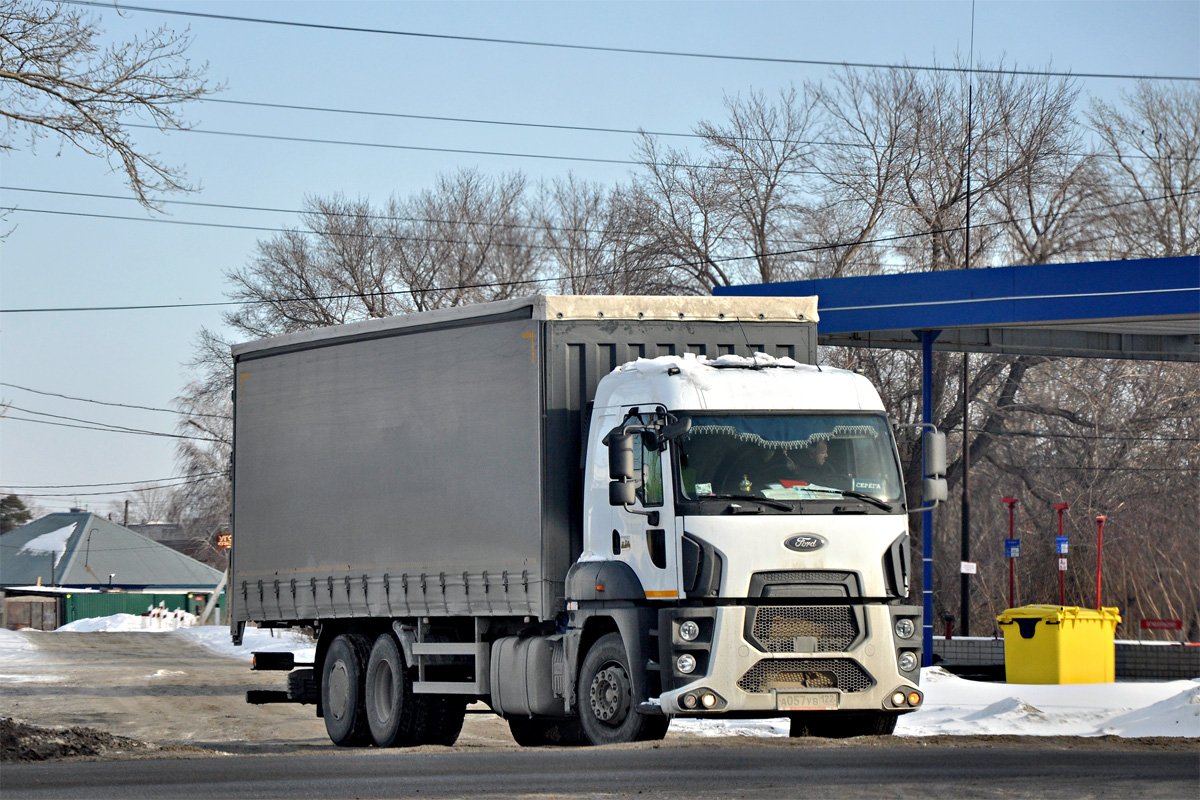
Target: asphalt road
(694,772)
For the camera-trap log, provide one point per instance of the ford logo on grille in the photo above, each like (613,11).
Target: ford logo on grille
(804,543)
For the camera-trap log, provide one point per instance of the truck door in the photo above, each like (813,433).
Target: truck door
(650,548)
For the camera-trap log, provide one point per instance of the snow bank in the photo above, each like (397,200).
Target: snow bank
(958,707)
(216,639)
(125,623)
(16,648)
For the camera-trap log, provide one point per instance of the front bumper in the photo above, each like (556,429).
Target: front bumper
(769,660)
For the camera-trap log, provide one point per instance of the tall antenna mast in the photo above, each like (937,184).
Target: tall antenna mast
(965,578)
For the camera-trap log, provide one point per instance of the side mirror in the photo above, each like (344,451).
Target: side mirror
(935,491)
(675,429)
(935,453)
(622,493)
(620,454)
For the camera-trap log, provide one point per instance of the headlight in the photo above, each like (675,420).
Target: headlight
(905,628)
(897,698)
(908,661)
(688,630)
(708,700)
(685,663)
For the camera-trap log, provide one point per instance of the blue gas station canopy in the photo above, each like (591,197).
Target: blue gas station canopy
(1139,309)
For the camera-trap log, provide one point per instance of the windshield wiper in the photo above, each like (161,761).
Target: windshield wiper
(777,504)
(870,498)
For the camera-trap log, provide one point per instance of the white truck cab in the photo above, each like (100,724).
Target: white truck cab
(768,520)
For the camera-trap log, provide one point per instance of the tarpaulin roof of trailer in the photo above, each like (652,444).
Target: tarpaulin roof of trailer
(564,307)
(1140,309)
(82,550)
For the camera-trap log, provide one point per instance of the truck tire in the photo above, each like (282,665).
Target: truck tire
(843,726)
(442,718)
(604,695)
(343,675)
(391,709)
(546,732)
(654,729)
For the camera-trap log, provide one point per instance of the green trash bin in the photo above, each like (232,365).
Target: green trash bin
(1059,644)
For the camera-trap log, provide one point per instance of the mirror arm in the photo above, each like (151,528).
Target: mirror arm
(652,517)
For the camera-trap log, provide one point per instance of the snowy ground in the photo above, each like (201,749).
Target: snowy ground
(953,706)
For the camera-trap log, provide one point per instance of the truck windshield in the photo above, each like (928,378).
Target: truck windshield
(788,457)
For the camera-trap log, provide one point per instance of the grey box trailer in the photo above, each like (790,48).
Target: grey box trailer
(498,502)
(430,464)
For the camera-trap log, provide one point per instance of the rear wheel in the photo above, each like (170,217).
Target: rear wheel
(442,719)
(605,695)
(843,726)
(389,697)
(343,675)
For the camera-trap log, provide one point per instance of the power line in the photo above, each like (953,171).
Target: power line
(106,425)
(118,405)
(116,492)
(629,50)
(196,475)
(583,159)
(491,224)
(108,429)
(1088,437)
(587,128)
(522,282)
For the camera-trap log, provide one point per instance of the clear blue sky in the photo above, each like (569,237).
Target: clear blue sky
(138,357)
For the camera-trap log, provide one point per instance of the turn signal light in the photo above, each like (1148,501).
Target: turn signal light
(914,698)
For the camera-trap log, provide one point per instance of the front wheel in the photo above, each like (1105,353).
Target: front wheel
(834,725)
(604,696)
(539,732)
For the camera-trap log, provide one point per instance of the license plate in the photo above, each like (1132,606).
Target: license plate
(806,701)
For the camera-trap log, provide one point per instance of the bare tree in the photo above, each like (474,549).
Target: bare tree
(727,216)
(56,78)
(1153,149)
(591,241)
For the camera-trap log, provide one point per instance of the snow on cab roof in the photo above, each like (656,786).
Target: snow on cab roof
(570,307)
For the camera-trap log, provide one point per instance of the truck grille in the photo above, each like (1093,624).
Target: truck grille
(776,628)
(805,673)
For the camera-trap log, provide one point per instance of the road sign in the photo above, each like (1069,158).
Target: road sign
(224,541)
(1162,624)
(1012,548)
(1060,545)
(1062,565)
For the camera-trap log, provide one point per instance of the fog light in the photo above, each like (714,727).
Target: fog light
(688,630)
(708,700)
(908,661)
(689,701)
(897,698)
(905,628)
(914,698)
(686,663)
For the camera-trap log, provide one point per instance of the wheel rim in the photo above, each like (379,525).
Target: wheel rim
(385,689)
(339,690)
(610,694)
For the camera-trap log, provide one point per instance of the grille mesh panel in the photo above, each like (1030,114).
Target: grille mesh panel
(805,673)
(793,576)
(776,627)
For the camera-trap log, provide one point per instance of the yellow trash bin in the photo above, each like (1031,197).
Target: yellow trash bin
(1059,644)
